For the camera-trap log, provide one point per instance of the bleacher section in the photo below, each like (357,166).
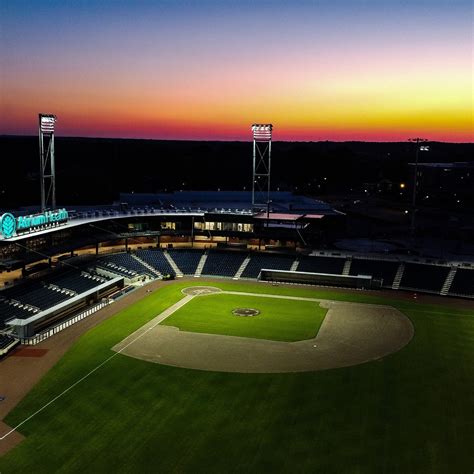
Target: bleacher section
(77,282)
(186,260)
(385,270)
(36,295)
(10,310)
(157,260)
(123,264)
(7,343)
(463,283)
(27,299)
(269,261)
(223,263)
(321,265)
(423,277)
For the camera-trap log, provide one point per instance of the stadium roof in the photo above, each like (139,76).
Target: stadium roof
(281,201)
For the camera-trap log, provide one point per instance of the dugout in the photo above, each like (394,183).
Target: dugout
(309,278)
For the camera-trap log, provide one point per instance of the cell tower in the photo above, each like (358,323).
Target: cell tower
(47,166)
(262,160)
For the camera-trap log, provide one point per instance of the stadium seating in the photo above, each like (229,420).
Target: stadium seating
(77,281)
(223,263)
(186,260)
(463,283)
(380,269)
(321,265)
(5,341)
(157,260)
(36,295)
(125,265)
(9,310)
(424,277)
(270,261)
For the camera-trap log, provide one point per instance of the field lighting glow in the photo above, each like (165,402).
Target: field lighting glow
(47,122)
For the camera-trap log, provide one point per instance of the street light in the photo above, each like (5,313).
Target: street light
(419,148)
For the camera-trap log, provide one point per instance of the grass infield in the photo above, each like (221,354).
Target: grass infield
(279,319)
(410,412)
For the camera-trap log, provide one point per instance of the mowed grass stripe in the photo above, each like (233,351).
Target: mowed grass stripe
(279,319)
(406,413)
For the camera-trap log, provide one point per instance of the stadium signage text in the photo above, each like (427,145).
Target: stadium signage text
(11,225)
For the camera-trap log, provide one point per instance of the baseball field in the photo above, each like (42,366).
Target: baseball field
(122,400)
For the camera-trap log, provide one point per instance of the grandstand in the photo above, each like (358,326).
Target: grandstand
(422,277)
(37,303)
(258,261)
(186,260)
(385,270)
(223,263)
(157,261)
(124,264)
(210,234)
(322,264)
(463,283)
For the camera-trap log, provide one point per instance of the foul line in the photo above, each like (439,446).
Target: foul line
(174,307)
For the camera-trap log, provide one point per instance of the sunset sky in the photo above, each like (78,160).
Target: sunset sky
(323,70)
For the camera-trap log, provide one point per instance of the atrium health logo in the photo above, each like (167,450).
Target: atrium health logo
(8,225)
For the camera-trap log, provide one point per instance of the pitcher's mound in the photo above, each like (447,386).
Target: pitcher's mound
(245,312)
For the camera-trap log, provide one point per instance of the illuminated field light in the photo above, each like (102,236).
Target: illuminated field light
(47,161)
(47,122)
(262,132)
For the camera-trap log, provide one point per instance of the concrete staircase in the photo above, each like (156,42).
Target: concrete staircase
(153,270)
(294,265)
(398,276)
(449,280)
(176,269)
(242,268)
(347,266)
(201,264)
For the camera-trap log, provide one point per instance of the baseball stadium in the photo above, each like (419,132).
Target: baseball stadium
(212,331)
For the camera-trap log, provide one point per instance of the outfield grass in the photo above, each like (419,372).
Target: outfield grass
(411,412)
(279,319)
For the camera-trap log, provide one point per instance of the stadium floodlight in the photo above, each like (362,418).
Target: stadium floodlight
(262,132)
(47,122)
(262,160)
(47,163)
(419,148)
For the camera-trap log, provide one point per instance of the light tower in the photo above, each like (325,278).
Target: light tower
(419,148)
(47,166)
(262,160)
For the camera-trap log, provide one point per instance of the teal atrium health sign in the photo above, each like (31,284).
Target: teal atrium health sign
(11,226)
